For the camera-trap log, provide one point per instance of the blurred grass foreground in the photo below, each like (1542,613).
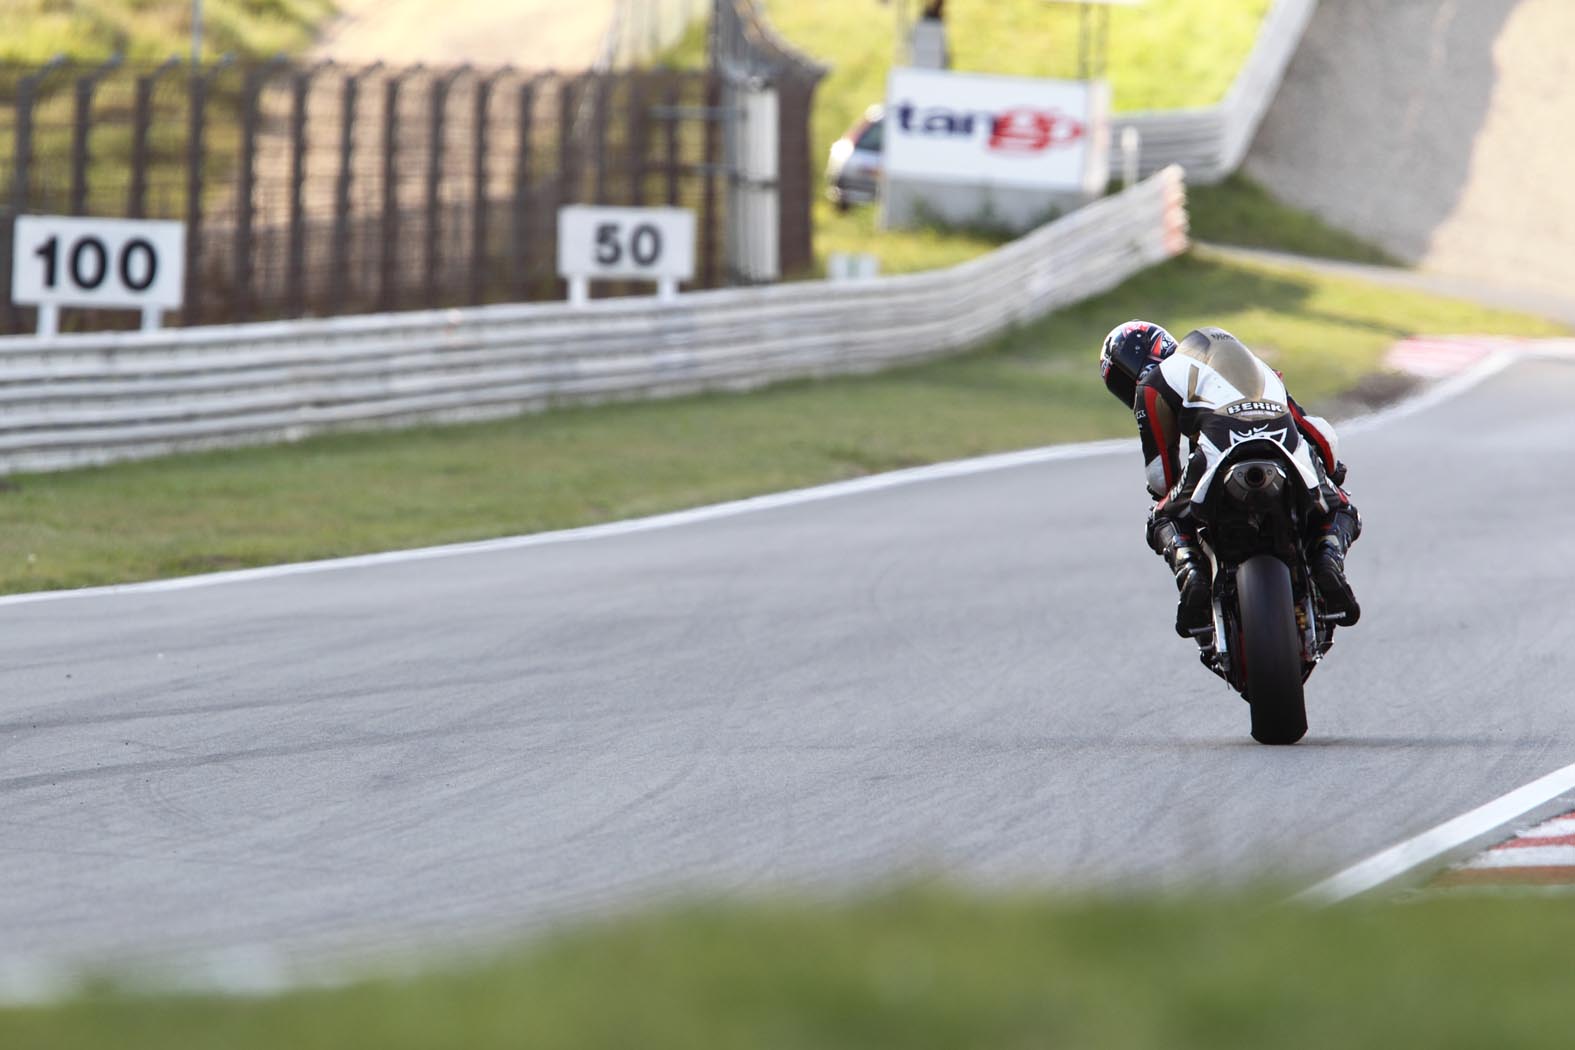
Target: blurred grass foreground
(929,968)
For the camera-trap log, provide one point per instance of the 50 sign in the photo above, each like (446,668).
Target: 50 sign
(620,244)
(59,261)
(644,244)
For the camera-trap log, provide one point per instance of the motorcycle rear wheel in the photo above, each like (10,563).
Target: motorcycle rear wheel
(1272,652)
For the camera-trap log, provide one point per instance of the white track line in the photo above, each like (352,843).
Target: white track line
(771,501)
(1429,846)
(1429,398)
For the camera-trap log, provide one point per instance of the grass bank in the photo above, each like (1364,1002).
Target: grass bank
(930,968)
(1165,54)
(377,491)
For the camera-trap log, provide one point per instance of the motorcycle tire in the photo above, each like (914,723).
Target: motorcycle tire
(1271,649)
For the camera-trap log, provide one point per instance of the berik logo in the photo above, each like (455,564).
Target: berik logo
(1020,130)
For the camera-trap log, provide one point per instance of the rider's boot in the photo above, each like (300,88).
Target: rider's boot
(1194,610)
(1327,557)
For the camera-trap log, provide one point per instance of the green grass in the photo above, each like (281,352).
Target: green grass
(1241,212)
(1203,44)
(1164,54)
(355,493)
(33,31)
(929,968)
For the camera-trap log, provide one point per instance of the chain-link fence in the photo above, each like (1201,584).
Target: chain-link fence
(326,190)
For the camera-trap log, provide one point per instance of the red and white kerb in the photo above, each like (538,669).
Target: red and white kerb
(1543,856)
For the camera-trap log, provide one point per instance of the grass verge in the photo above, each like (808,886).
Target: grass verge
(930,968)
(1239,211)
(350,494)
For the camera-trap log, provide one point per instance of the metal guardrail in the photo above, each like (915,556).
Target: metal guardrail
(100,397)
(1211,143)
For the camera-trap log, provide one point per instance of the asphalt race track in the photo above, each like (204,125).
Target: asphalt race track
(975,676)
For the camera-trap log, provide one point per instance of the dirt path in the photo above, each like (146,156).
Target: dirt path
(1438,128)
(529,34)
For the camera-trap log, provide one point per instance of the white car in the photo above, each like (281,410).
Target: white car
(853,170)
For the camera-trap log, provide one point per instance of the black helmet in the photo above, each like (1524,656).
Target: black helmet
(1130,350)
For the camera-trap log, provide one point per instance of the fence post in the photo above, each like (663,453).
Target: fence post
(710,165)
(195,184)
(753,203)
(390,231)
(300,89)
(599,123)
(81,128)
(638,133)
(479,188)
(522,186)
(245,197)
(439,111)
(568,175)
(339,250)
(671,100)
(141,120)
(21,179)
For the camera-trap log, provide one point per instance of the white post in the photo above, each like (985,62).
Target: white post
(49,320)
(152,318)
(756,196)
(579,291)
(667,290)
(1131,143)
(196,32)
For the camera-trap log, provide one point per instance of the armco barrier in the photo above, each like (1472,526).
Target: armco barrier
(95,398)
(1211,143)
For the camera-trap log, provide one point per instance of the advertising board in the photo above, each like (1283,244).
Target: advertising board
(977,129)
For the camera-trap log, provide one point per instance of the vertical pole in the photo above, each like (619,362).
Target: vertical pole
(295,296)
(339,250)
(708,203)
(82,113)
(478,192)
(599,122)
(141,116)
(438,102)
(196,117)
(245,197)
(579,291)
(196,33)
(638,126)
(670,100)
(519,242)
(152,318)
(568,173)
(49,320)
(21,163)
(1130,145)
(390,232)
(567,189)
(81,129)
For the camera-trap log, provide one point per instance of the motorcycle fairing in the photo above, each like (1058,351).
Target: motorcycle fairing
(1225,438)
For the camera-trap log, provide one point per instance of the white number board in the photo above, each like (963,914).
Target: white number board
(102,263)
(613,244)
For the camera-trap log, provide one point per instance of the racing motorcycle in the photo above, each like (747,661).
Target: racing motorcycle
(1258,490)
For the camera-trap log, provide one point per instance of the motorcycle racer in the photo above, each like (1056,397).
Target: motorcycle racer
(1170,387)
